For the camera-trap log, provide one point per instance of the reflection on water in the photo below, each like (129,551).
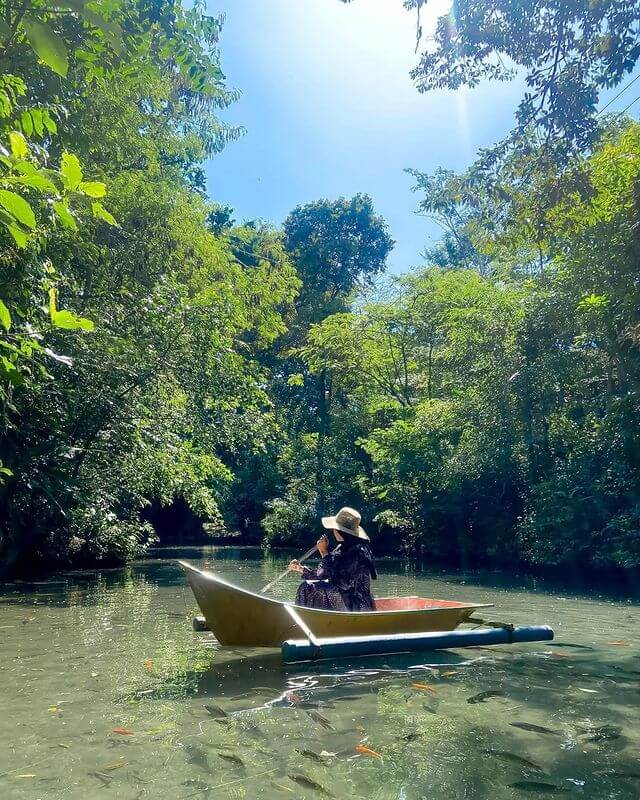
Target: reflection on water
(107,692)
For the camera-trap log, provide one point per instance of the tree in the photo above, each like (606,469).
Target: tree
(569,52)
(339,246)
(157,402)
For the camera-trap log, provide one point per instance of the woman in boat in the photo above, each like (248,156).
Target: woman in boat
(342,581)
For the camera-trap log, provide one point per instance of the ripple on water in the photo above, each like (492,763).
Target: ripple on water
(107,692)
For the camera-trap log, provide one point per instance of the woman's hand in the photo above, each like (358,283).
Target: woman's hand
(323,545)
(296,566)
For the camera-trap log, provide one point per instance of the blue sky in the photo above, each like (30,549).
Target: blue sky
(330,110)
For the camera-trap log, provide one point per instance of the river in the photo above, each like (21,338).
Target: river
(105,688)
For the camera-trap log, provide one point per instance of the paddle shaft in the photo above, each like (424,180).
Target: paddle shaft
(309,552)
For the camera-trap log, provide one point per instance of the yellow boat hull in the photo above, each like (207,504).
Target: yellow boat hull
(238,617)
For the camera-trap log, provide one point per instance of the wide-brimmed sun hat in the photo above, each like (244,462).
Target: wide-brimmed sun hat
(347,520)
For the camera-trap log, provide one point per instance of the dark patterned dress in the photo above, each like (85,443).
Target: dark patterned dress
(342,580)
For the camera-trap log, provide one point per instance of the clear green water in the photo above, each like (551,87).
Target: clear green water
(90,652)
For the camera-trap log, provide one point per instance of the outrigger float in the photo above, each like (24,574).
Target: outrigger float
(238,617)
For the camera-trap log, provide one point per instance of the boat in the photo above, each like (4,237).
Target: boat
(238,617)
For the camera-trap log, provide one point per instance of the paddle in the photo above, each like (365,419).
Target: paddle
(309,552)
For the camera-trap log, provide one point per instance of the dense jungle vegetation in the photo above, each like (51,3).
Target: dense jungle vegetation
(158,357)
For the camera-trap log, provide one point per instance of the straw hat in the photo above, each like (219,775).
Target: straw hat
(347,520)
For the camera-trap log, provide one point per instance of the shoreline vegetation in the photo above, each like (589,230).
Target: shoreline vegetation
(163,364)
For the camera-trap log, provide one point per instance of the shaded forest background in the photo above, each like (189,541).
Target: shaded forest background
(167,369)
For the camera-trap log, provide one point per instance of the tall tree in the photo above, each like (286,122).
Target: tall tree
(339,246)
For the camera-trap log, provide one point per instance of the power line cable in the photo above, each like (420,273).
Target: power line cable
(620,93)
(624,110)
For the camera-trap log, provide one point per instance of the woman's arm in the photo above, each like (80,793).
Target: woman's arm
(323,570)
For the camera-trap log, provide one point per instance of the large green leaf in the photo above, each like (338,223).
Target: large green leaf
(100,212)
(34,180)
(18,208)
(38,120)
(67,319)
(5,316)
(19,147)
(71,171)
(27,122)
(62,212)
(19,236)
(71,322)
(5,31)
(93,188)
(46,43)
(112,31)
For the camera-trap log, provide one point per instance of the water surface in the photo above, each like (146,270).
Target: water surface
(87,654)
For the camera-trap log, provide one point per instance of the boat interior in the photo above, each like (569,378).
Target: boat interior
(414,604)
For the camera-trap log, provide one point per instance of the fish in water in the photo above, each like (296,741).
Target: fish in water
(538,786)
(571,644)
(316,716)
(215,710)
(610,773)
(528,726)
(318,704)
(311,754)
(308,783)
(348,697)
(233,758)
(196,784)
(367,751)
(104,779)
(114,765)
(410,737)
(484,696)
(513,758)
(197,756)
(423,687)
(605,733)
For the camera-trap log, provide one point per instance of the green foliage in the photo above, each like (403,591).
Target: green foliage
(155,352)
(46,43)
(569,51)
(339,246)
(490,414)
(130,331)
